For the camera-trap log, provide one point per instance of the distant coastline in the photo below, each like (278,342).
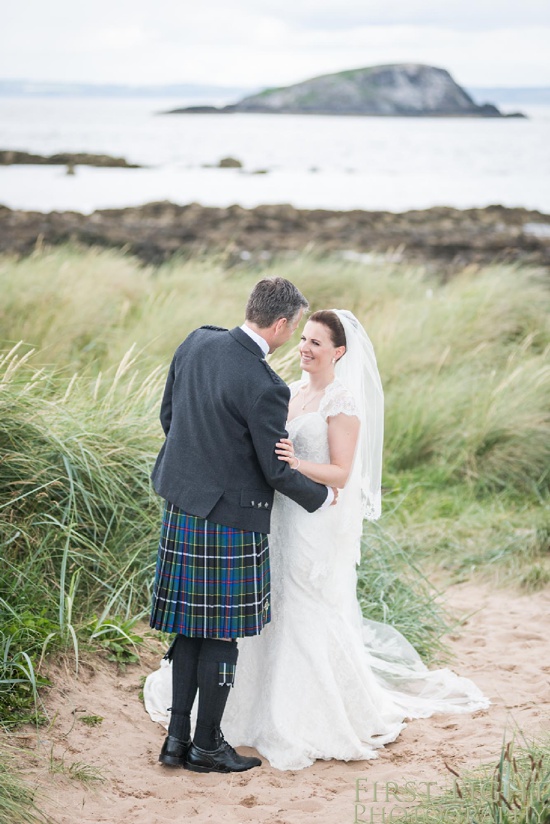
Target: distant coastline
(534,95)
(39,88)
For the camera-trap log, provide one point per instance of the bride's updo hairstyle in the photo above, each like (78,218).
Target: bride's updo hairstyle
(333,324)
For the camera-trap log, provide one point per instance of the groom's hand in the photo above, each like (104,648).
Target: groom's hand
(335,492)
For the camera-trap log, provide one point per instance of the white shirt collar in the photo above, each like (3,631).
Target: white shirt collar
(262,343)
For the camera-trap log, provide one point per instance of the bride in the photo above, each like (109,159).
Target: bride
(321,681)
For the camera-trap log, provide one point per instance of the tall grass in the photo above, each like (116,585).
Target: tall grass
(465,369)
(88,308)
(77,514)
(477,346)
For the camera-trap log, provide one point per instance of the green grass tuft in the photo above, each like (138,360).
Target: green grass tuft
(91,720)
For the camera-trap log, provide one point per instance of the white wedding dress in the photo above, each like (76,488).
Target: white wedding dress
(321,681)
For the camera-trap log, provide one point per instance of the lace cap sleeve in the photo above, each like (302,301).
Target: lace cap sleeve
(338,399)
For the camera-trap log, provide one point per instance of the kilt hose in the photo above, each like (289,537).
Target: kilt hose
(211,581)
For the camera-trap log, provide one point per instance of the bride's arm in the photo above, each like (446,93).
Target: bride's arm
(343,431)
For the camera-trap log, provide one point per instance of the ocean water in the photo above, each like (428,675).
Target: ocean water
(308,161)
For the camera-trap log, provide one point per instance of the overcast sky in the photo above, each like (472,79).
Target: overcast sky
(254,43)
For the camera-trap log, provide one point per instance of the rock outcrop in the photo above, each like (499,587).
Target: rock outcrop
(230,163)
(9,157)
(404,90)
(449,238)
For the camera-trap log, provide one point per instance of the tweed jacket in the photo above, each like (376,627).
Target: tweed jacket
(223,411)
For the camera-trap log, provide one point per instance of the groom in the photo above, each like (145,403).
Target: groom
(222,412)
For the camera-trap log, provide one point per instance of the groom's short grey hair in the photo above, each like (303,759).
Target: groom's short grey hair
(274,298)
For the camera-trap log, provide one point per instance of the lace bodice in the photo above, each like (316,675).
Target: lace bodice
(336,399)
(308,431)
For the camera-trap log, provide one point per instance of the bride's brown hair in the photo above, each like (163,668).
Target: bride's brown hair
(334,325)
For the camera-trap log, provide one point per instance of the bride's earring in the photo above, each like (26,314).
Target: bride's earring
(333,360)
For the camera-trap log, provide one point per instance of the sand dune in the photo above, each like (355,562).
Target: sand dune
(504,646)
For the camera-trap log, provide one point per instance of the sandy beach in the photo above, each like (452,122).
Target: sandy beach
(503,645)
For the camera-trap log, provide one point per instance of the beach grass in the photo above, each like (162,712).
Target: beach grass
(18,804)
(514,790)
(87,337)
(77,518)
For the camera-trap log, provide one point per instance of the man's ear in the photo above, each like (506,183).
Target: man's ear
(280,325)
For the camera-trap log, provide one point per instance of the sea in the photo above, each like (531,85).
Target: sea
(309,161)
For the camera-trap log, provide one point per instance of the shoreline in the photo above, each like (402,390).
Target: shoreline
(155,232)
(230,109)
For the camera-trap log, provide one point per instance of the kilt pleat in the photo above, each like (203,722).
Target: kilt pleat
(211,581)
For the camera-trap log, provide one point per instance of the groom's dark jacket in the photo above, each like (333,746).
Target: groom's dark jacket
(222,412)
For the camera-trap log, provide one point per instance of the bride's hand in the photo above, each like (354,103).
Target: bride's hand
(285,451)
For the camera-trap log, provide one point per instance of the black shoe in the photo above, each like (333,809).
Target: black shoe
(223,759)
(174,751)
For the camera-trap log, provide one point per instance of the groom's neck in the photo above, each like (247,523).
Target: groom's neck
(263,334)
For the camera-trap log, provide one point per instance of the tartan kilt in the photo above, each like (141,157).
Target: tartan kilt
(211,581)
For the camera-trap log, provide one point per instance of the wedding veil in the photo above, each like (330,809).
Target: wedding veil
(358,371)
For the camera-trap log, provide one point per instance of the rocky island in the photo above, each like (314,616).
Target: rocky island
(400,90)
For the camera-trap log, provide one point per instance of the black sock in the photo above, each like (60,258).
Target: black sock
(216,673)
(185,658)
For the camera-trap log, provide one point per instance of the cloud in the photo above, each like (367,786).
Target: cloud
(466,15)
(273,42)
(120,37)
(473,58)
